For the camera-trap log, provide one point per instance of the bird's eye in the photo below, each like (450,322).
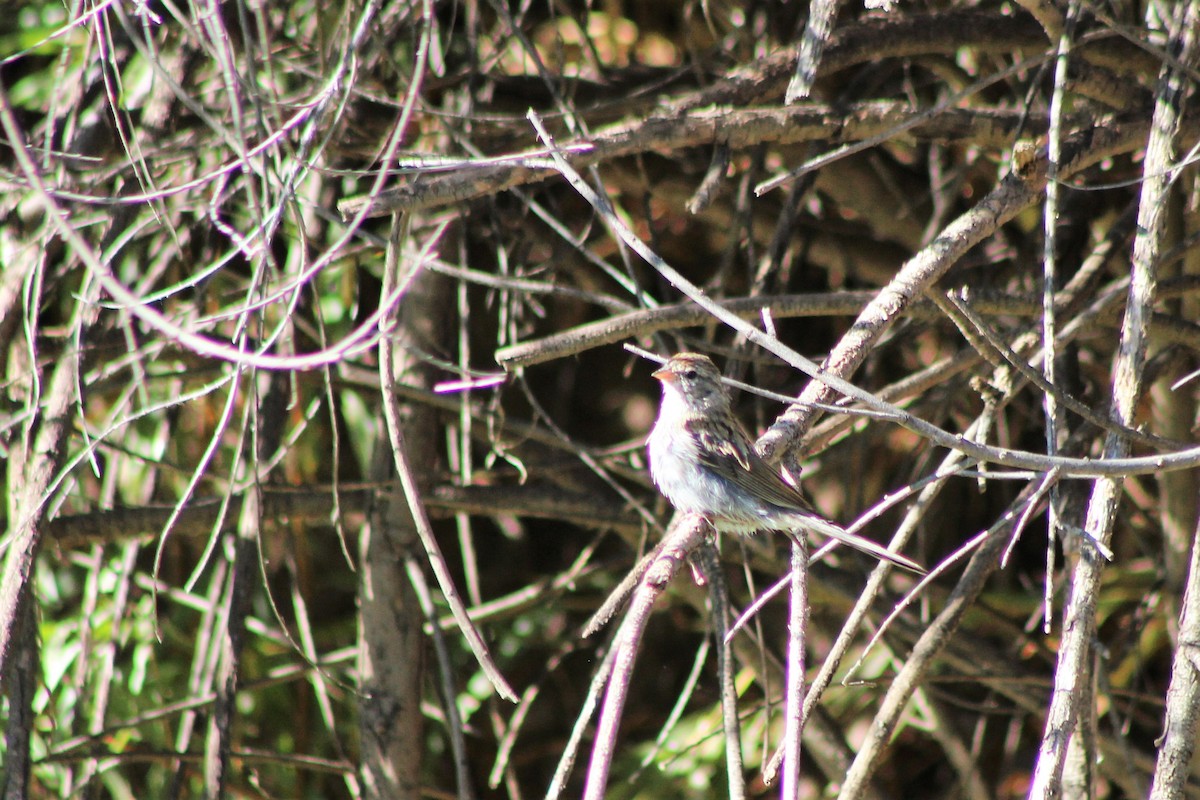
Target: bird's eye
(690,374)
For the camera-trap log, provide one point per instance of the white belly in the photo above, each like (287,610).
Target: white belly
(693,489)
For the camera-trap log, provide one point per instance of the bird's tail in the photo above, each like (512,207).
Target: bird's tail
(834,531)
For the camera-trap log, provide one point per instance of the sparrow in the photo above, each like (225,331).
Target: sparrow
(703,461)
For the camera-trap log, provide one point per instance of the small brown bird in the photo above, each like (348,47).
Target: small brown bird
(703,461)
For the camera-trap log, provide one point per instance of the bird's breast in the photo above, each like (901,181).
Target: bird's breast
(674,462)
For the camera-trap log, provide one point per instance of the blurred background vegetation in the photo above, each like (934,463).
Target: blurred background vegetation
(213,585)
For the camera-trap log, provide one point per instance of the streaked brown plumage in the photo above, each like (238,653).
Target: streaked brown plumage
(703,461)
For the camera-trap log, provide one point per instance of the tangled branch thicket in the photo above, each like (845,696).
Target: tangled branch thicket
(311,320)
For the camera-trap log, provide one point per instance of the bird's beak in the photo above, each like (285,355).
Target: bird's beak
(665,375)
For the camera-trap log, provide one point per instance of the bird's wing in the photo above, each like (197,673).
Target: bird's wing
(733,457)
(723,452)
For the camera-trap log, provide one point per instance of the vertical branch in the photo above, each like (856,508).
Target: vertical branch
(263,435)
(718,592)
(391,660)
(391,647)
(1182,718)
(1172,412)
(1055,418)
(30,472)
(218,741)
(391,642)
(21,676)
(1071,683)
(1175,410)
(793,712)
(35,459)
